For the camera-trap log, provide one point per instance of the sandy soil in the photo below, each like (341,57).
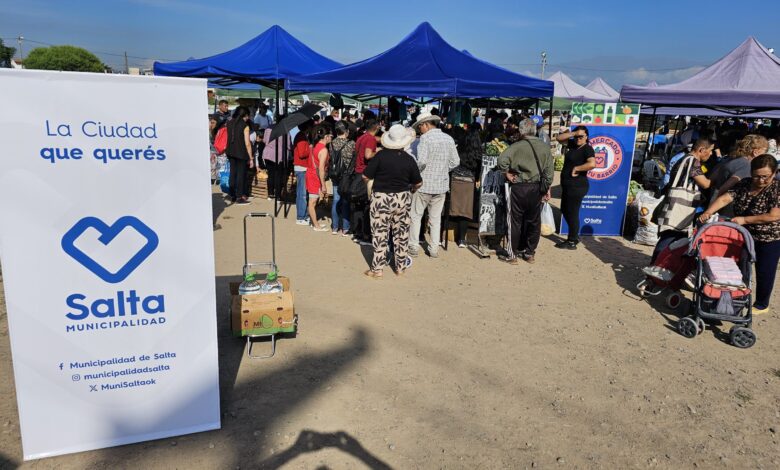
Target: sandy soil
(464,363)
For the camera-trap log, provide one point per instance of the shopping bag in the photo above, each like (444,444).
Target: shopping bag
(647,231)
(224,178)
(678,209)
(548,220)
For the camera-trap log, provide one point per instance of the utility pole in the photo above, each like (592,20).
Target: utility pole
(544,62)
(127,67)
(19,40)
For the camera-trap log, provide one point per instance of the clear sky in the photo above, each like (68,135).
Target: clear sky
(625,41)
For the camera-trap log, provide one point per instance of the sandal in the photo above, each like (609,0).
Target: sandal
(373,274)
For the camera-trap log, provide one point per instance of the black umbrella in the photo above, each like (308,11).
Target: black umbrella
(294,120)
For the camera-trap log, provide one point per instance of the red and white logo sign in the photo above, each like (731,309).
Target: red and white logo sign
(609,156)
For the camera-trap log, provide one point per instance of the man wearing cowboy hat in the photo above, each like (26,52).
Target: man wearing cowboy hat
(436,157)
(394,176)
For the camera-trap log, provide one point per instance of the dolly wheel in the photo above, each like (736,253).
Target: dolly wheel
(687,327)
(742,337)
(673,300)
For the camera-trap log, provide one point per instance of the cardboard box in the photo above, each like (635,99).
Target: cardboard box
(472,234)
(262,314)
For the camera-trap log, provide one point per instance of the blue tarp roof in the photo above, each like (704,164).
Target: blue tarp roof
(424,64)
(273,55)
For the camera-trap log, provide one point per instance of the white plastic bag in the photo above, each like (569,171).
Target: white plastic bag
(548,220)
(647,231)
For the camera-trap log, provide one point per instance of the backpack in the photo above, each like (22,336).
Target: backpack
(336,165)
(220,140)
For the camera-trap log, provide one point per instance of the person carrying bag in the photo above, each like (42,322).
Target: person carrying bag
(678,208)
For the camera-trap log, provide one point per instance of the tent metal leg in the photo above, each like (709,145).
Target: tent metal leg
(285,160)
(551,117)
(650,137)
(276,180)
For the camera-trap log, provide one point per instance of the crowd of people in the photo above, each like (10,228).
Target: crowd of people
(389,180)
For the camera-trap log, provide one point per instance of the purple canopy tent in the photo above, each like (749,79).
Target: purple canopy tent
(746,81)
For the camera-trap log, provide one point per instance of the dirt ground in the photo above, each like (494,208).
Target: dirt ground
(464,363)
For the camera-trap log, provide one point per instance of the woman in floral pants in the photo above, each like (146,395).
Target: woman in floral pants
(393,176)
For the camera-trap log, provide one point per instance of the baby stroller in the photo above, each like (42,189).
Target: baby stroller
(724,254)
(668,272)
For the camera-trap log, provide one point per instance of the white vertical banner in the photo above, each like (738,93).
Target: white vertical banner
(107,254)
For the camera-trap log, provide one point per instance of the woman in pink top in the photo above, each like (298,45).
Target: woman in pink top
(315,173)
(276,177)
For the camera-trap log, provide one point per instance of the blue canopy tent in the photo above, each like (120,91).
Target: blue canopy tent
(423,64)
(268,60)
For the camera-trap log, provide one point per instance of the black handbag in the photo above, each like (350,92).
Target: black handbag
(358,190)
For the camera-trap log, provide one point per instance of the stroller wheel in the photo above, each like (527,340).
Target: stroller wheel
(742,337)
(673,300)
(687,327)
(701,325)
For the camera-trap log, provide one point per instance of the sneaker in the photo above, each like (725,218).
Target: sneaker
(529,258)
(433,254)
(690,281)
(242,202)
(414,251)
(509,260)
(571,246)
(334,232)
(461,243)
(346,234)
(301,222)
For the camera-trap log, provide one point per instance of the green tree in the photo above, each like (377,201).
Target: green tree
(6,55)
(70,58)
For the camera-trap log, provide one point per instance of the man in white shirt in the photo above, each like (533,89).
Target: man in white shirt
(436,157)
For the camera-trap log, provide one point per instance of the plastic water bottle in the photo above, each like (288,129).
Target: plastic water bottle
(249,286)
(271,285)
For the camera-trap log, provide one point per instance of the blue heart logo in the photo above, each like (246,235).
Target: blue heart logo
(107,234)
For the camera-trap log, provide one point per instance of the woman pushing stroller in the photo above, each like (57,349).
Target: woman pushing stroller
(756,205)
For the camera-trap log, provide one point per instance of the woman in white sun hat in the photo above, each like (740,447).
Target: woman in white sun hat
(394,176)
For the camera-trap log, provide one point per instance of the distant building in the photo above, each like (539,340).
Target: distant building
(16,64)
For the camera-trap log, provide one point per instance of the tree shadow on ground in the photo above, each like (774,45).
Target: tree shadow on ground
(312,441)
(7,463)
(251,409)
(626,262)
